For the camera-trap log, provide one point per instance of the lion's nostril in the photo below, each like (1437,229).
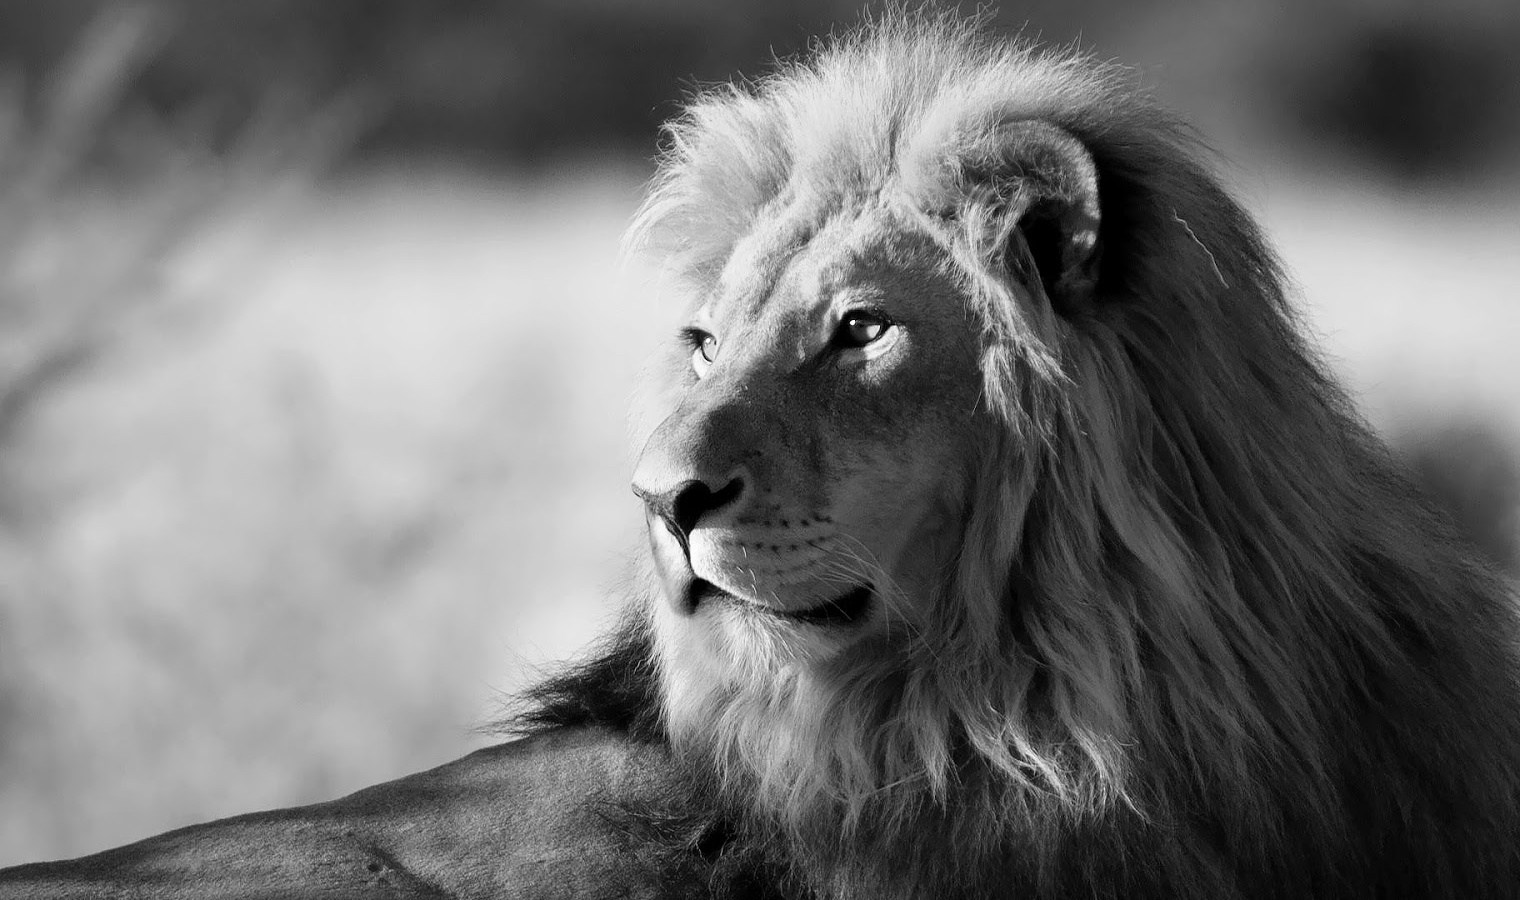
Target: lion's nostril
(683,506)
(687,507)
(695,499)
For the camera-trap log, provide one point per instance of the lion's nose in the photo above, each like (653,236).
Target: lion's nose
(684,505)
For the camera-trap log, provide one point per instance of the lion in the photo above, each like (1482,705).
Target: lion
(1006,538)
(1009,539)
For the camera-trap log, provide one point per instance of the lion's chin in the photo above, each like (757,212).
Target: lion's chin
(848,609)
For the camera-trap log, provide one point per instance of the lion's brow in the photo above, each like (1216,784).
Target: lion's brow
(757,260)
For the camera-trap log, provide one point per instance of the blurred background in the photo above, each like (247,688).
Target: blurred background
(316,345)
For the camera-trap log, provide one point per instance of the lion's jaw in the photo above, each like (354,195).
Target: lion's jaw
(803,578)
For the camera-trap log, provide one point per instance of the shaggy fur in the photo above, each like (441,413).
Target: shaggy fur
(1201,642)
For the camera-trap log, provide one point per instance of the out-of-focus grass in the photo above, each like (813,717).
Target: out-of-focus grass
(1416,300)
(1415,297)
(118,233)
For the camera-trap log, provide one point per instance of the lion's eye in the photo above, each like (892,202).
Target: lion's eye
(704,348)
(857,329)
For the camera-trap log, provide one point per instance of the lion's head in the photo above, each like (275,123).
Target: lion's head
(808,494)
(1007,533)
(888,270)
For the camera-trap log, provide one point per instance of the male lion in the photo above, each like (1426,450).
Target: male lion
(1006,538)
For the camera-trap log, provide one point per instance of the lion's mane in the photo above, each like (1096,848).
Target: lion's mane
(1202,640)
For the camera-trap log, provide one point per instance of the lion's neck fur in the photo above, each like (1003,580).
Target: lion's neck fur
(1200,637)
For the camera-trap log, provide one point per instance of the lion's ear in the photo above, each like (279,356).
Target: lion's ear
(1051,183)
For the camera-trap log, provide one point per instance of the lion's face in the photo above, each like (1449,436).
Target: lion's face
(807,492)
(857,422)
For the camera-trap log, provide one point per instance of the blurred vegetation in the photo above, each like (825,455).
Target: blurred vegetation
(1421,91)
(105,206)
(292,435)
(71,145)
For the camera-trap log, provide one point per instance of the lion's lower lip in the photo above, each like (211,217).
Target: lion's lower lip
(844,610)
(701,591)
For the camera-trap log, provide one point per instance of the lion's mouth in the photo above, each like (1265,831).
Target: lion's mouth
(847,609)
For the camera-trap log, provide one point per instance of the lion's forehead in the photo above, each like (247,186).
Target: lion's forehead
(789,275)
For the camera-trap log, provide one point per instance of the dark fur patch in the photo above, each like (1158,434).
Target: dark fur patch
(615,687)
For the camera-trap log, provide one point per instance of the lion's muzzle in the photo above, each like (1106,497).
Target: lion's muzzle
(674,507)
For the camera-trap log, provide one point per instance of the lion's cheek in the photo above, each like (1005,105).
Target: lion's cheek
(913,522)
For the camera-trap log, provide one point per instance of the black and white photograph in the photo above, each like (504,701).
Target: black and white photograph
(775,449)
